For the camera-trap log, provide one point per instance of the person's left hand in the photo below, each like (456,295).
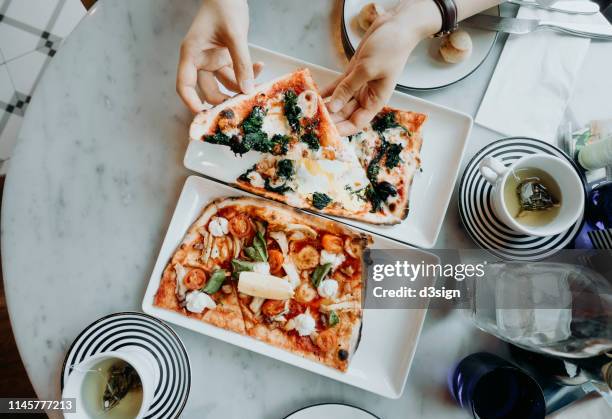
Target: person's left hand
(368,82)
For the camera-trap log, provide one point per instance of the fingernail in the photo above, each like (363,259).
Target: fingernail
(247,86)
(335,105)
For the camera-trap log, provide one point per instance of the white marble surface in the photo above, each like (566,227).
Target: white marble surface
(93,183)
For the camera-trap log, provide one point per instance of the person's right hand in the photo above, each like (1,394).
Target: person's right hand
(216,48)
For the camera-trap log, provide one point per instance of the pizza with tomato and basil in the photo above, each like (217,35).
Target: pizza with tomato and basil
(258,268)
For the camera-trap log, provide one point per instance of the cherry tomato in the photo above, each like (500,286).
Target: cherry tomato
(272,308)
(195,279)
(332,243)
(241,226)
(275,259)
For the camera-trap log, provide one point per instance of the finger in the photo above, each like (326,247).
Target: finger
(362,117)
(213,59)
(210,88)
(346,128)
(228,79)
(241,62)
(186,82)
(347,87)
(345,112)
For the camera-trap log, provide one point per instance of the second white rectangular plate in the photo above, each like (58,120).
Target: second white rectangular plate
(388,337)
(445,135)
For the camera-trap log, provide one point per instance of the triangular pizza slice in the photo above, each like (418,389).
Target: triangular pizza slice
(389,151)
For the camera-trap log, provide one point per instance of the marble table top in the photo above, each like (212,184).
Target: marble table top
(94,181)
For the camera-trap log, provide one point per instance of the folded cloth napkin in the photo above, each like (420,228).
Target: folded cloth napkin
(534,79)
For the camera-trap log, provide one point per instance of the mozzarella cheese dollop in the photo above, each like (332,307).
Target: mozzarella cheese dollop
(218,226)
(256,179)
(197,301)
(335,259)
(261,268)
(304,324)
(292,274)
(328,288)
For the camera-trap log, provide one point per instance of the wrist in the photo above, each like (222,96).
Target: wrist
(419,17)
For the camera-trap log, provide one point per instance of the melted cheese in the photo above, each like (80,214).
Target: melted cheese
(275,121)
(332,177)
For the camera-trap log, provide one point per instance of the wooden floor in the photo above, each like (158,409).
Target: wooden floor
(14,380)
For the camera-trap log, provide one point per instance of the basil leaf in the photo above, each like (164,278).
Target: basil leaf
(259,243)
(333,319)
(252,253)
(319,273)
(215,281)
(241,266)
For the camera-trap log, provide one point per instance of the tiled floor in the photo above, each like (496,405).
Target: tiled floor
(31,31)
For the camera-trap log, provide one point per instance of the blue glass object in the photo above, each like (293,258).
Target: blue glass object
(492,388)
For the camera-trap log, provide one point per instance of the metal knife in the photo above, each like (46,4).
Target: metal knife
(572,7)
(523,26)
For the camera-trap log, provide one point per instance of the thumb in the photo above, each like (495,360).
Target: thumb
(346,88)
(241,59)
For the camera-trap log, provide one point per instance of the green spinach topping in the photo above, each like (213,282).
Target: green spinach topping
(214,282)
(311,140)
(280,145)
(284,168)
(245,176)
(372,196)
(253,122)
(292,110)
(384,190)
(320,200)
(393,155)
(384,121)
(281,189)
(319,273)
(217,138)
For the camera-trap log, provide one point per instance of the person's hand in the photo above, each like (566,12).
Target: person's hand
(368,82)
(216,49)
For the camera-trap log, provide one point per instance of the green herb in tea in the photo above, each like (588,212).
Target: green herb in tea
(122,378)
(534,196)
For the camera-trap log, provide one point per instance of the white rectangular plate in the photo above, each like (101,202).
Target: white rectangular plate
(388,337)
(445,135)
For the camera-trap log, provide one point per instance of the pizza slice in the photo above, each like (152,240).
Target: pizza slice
(197,280)
(388,149)
(283,116)
(301,287)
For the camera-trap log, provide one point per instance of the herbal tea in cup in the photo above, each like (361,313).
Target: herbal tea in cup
(532,196)
(113,384)
(537,195)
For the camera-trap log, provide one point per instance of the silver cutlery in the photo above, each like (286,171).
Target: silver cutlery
(524,26)
(572,7)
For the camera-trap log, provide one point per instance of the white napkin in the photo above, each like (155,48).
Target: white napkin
(534,79)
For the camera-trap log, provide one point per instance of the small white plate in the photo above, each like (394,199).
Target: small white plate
(425,69)
(445,135)
(331,410)
(388,337)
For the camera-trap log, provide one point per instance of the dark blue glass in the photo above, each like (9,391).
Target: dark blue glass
(599,207)
(492,388)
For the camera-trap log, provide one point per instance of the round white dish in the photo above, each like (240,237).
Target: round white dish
(425,70)
(331,410)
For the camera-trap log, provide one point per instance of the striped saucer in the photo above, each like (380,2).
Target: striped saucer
(126,329)
(476,209)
